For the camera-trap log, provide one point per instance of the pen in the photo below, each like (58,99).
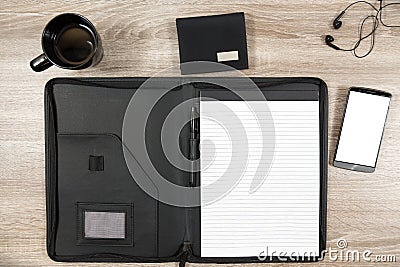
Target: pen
(193,144)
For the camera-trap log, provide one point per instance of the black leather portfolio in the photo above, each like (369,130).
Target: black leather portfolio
(219,38)
(97,211)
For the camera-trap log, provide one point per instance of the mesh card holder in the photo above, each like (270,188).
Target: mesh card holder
(105,224)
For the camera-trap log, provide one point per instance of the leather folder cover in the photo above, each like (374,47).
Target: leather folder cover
(88,181)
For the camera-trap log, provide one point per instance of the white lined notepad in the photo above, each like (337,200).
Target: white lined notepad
(282,215)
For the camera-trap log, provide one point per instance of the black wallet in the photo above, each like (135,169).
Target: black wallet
(218,38)
(95,209)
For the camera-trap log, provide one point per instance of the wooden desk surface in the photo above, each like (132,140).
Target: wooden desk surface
(285,38)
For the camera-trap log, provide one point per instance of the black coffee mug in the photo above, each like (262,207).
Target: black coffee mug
(69,41)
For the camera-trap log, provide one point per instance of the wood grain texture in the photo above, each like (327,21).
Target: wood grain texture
(285,38)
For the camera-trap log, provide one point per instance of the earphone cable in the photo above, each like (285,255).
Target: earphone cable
(376,20)
(361,2)
(371,34)
(381,7)
(361,30)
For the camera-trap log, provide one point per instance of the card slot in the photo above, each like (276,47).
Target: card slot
(105,224)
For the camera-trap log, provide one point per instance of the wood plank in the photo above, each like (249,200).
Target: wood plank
(285,38)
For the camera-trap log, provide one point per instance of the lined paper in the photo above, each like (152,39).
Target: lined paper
(282,216)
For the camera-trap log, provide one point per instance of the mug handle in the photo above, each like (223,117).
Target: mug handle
(40,63)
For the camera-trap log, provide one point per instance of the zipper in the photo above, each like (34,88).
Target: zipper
(186,251)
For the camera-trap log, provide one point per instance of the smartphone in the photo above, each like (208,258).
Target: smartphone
(362,129)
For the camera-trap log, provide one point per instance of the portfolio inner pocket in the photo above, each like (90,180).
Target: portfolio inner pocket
(101,209)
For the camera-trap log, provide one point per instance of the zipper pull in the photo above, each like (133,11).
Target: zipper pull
(185,252)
